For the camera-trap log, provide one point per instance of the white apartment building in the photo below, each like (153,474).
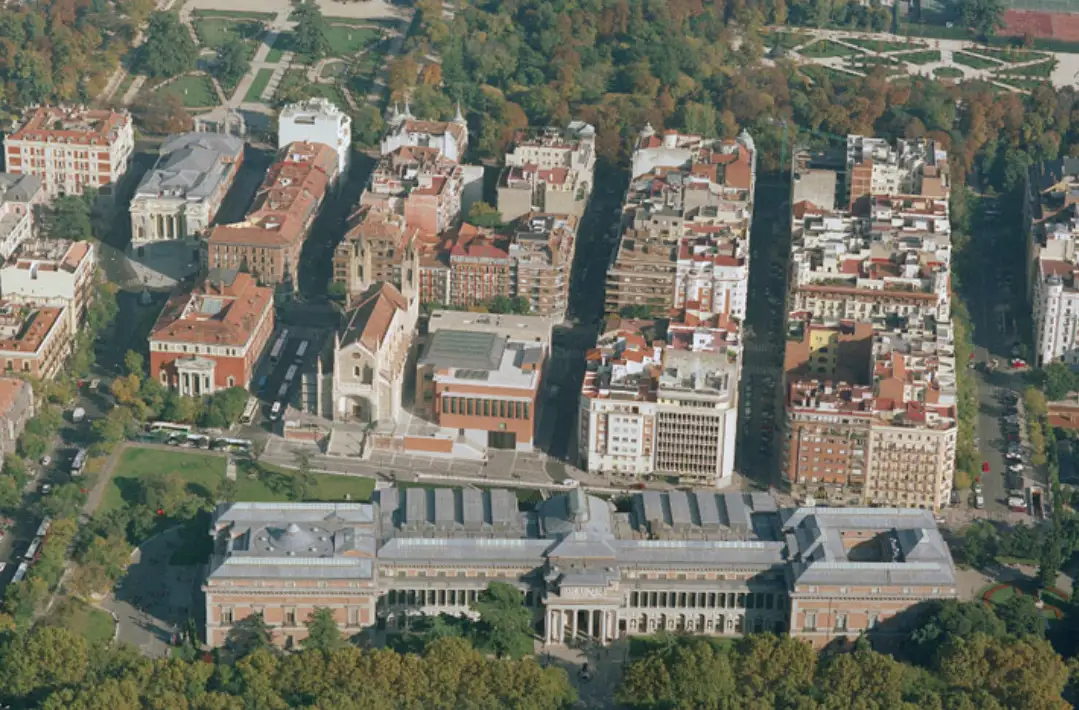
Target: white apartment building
(51,272)
(666,410)
(71,148)
(317,120)
(1055,296)
(179,198)
(450,138)
(548,170)
(19,195)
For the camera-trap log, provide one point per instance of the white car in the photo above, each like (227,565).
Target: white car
(1016,468)
(46,460)
(1013,456)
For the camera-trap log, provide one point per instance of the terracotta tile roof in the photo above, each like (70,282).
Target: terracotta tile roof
(82,126)
(223,309)
(24,330)
(287,200)
(369,322)
(9,390)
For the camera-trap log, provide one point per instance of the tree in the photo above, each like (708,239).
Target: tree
(322,631)
(231,62)
(367,125)
(1019,673)
(505,624)
(1057,380)
(32,446)
(985,16)
(1021,616)
(168,50)
(1050,560)
(111,429)
(248,635)
(946,621)
(134,364)
(69,217)
(980,544)
(309,38)
(482,214)
(162,113)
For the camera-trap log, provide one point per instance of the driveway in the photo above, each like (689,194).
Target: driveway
(154,598)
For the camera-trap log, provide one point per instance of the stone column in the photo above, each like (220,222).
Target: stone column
(591,620)
(573,622)
(547,627)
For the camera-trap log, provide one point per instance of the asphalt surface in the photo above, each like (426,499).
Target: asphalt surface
(759,456)
(992,280)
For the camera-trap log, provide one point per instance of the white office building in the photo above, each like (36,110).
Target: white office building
(317,120)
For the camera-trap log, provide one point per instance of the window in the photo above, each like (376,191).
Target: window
(810,623)
(226,616)
(840,622)
(353,616)
(290,617)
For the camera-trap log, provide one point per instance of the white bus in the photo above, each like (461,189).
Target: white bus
(282,390)
(20,572)
(249,410)
(290,373)
(153,427)
(227,444)
(300,351)
(279,346)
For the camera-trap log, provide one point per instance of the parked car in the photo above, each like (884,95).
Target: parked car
(46,460)
(46,489)
(985,467)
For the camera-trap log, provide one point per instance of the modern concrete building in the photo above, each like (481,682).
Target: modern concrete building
(371,355)
(71,148)
(211,336)
(19,197)
(180,196)
(698,561)
(548,170)
(480,374)
(51,272)
(317,120)
(664,407)
(268,242)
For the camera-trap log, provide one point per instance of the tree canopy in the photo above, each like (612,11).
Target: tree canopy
(169,49)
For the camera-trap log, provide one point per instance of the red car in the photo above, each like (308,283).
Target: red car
(985,467)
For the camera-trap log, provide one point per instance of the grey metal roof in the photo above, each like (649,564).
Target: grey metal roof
(468,350)
(18,187)
(456,549)
(699,552)
(294,512)
(450,511)
(295,567)
(191,165)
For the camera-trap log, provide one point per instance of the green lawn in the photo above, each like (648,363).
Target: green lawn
(1009,54)
(1020,82)
(1042,69)
(194,91)
(95,625)
(214,32)
(203,472)
(235,15)
(294,78)
(948,73)
(346,41)
(281,45)
(926,56)
(879,45)
(258,85)
(333,70)
(974,61)
(827,48)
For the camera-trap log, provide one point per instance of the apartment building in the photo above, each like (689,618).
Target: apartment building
(691,199)
(210,336)
(420,184)
(542,252)
(887,439)
(70,148)
(371,354)
(479,376)
(16,408)
(666,407)
(19,197)
(34,340)
(51,272)
(379,247)
(478,267)
(1055,296)
(870,362)
(448,138)
(268,242)
(180,196)
(548,170)
(317,120)
(697,561)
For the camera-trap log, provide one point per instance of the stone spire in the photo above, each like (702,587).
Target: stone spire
(459,118)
